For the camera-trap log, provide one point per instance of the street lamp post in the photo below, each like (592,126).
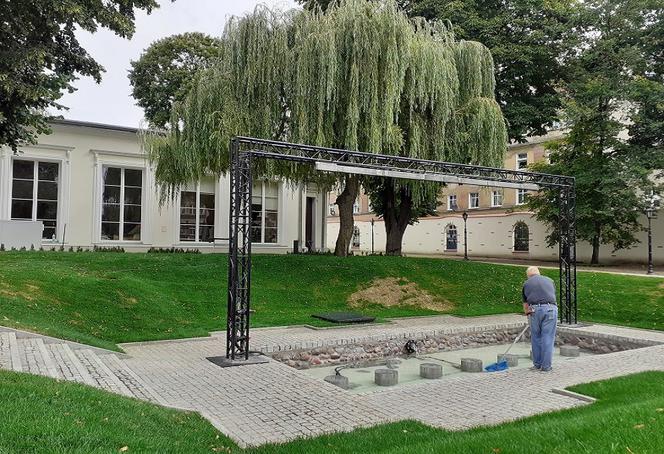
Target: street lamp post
(650,267)
(651,209)
(465,235)
(372,236)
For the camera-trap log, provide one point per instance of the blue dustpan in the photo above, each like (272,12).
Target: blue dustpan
(496,367)
(502,364)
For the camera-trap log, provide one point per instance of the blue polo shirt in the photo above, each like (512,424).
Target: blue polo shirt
(539,290)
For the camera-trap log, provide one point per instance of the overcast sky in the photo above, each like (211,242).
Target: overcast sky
(110,101)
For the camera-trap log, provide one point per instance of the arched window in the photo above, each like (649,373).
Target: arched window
(521,237)
(451,238)
(356,237)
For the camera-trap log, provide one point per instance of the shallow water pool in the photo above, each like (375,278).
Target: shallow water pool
(362,376)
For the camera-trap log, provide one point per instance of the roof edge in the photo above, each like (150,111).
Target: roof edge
(89,124)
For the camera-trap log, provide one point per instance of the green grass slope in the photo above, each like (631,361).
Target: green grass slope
(106,298)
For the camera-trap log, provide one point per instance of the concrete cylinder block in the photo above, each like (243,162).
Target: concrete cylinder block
(386,377)
(431,370)
(512,360)
(569,350)
(338,380)
(471,365)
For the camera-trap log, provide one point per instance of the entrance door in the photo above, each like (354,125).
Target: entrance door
(451,238)
(309,231)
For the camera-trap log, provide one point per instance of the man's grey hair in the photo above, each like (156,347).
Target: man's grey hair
(532,271)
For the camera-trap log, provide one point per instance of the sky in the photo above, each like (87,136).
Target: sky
(110,101)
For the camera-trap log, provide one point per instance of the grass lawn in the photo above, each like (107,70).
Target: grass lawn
(39,415)
(42,415)
(105,298)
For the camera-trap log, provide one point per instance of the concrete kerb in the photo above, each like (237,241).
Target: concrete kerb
(165,341)
(572,394)
(22,334)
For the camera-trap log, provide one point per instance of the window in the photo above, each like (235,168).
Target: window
(474,200)
(265,212)
(521,237)
(522,161)
(356,206)
(451,238)
(35,193)
(196,216)
(521,196)
(121,204)
(356,237)
(452,202)
(496,198)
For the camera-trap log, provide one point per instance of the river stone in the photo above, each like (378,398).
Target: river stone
(512,360)
(471,365)
(569,350)
(386,377)
(338,380)
(431,370)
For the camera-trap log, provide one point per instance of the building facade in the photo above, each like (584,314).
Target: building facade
(498,225)
(91,185)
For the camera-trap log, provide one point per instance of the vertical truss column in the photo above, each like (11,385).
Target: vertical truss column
(239,255)
(567,255)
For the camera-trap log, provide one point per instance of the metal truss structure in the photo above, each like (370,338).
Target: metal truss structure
(245,149)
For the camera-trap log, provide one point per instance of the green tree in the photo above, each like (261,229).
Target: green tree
(527,39)
(361,76)
(40,56)
(646,129)
(165,71)
(602,93)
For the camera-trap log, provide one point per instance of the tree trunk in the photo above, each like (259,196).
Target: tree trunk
(396,217)
(345,201)
(595,258)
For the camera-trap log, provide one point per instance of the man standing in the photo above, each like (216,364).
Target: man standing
(539,302)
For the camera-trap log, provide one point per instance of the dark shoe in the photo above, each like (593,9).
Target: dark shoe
(534,368)
(547,370)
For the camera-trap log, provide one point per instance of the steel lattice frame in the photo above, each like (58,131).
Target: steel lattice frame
(243,149)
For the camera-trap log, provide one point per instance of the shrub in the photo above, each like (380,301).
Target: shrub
(173,250)
(108,249)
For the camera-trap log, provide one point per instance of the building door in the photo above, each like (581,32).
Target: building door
(451,244)
(309,230)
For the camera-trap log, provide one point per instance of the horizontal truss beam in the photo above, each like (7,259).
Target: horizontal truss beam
(271,149)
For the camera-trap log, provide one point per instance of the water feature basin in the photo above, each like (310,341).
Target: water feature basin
(361,376)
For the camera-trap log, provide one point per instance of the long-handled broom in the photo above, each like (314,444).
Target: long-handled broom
(502,364)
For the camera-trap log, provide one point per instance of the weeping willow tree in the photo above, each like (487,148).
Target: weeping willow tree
(360,76)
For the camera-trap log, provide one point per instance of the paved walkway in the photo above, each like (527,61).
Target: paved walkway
(627,269)
(272,402)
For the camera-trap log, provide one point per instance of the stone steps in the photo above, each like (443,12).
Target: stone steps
(5,353)
(69,365)
(101,373)
(136,386)
(70,362)
(36,358)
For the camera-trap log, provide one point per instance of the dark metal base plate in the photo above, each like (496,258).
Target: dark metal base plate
(254,358)
(344,317)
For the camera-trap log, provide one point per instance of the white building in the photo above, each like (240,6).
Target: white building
(498,224)
(89,184)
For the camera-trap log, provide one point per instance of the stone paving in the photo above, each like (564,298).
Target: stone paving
(271,402)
